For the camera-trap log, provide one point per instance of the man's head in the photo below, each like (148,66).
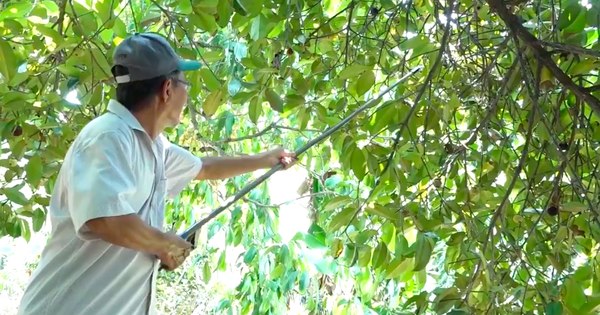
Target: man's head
(149,76)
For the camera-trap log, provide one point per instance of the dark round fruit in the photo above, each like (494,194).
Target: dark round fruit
(290,52)
(437,183)
(374,11)
(17,131)
(563,146)
(449,148)
(552,210)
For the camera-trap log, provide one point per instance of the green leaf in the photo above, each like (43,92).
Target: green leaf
(364,256)
(583,67)
(317,231)
(234,87)
(572,18)
(304,281)
(274,100)
(204,21)
(364,236)
(51,6)
(337,247)
(51,33)
(417,43)
(456,238)
(423,249)
(239,9)
(365,82)
(185,7)
(255,109)
(206,273)
(445,300)
(350,255)
(39,217)
(206,4)
(574,206)
(398,267)
(554,308)
(13,194)
(352,71)
(212,102)
(277,272)
(380,255)
(592,306)
(211,82)
(383,212)
(250,7)
(19,9)
(313,242)
(102,62)
(326,46)
(249,255)
(574,295)
(337,202)
(449,108)
(259,29)
(294,100)
(34,169)
(8,65)
(213,56)
(25,231)
(224,11)
(359,163)
(341,219)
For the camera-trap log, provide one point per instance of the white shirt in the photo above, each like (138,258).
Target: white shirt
(113,168)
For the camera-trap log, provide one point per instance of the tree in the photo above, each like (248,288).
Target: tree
(478,175)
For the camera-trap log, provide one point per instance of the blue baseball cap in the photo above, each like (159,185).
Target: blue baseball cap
(147,56)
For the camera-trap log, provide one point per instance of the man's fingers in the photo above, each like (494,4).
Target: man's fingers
(288,161)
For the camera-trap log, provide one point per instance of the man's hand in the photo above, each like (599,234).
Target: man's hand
(175,253)
(275,156)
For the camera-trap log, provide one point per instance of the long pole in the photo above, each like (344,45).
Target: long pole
(190,232)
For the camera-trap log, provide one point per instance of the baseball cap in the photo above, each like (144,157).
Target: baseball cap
(147,56)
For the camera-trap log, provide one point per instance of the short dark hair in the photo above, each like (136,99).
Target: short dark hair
(135,95)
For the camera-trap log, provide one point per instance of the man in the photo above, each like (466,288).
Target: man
(107,207)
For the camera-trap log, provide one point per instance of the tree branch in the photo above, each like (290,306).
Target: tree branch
(544,57)
(572,49)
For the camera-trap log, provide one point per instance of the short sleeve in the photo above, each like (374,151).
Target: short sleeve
(100,180)
(181,167)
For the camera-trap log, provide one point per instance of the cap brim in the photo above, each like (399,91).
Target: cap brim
(189,65)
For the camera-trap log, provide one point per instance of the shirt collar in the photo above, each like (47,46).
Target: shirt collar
(118,109)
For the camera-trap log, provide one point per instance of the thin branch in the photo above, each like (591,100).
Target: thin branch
(252,136)
(559,47)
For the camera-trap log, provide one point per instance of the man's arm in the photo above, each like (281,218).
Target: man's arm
(181,166)
(226,167)
(130,231)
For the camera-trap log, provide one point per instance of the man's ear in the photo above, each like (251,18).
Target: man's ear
(166,90)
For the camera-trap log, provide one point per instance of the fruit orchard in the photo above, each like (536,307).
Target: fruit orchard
(472,188)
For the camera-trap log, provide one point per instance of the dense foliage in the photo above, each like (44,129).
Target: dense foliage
(471,189)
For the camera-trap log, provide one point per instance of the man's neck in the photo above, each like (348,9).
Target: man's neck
(148,120)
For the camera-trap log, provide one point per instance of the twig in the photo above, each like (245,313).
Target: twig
(321,193)
(252,136)
(494,107)
(571,49)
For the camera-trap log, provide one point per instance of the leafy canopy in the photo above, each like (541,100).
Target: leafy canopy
(472,189)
